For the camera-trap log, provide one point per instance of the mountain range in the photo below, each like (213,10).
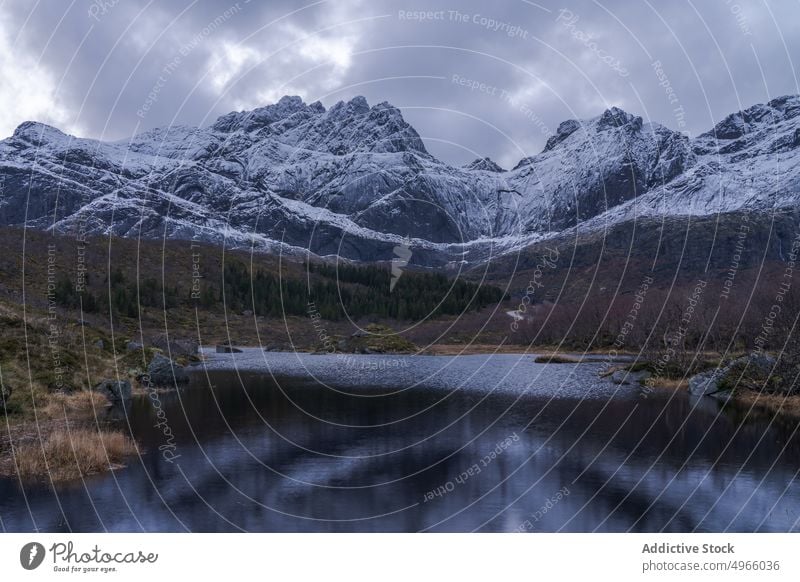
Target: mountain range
(355,181)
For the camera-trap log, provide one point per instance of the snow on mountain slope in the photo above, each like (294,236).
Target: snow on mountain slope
(353,180)
(750,160)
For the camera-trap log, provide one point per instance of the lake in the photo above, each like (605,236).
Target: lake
(284,442)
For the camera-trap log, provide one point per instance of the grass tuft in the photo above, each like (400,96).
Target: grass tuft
(68,454)
(82,401)
(557,359)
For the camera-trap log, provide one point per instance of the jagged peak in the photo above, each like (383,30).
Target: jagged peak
(614,117)
(286,106)
(357,105)
(611,118)
(740,123)
(523,162)
(785,103)
(380,128)
(290,101)
(359,101)
(565,129)
(484,164)
(34,131)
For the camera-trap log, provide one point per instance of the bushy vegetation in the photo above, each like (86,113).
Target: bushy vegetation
(675,342)
(374,339)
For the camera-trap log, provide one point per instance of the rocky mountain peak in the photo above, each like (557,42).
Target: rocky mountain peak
(261,117)
(355,126)
(746,121)
(37,133)
(347,127)
(484,165)
(612,118)
(565,129)
(788,105)
(615,117)
(356,106)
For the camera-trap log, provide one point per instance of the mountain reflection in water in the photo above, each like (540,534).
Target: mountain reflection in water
(492,443)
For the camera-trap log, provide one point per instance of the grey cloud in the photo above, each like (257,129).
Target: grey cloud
(533,64)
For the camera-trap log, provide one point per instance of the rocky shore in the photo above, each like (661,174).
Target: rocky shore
(58,424)
(752,380)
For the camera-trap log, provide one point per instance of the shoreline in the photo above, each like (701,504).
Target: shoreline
(57,415)
(451,350)
(786,407)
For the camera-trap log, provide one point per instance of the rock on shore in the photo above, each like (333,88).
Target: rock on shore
(163,371)
(720,382)
(114,390)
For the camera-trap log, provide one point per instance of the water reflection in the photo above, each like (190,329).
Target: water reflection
(484,445)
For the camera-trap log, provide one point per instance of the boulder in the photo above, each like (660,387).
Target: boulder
(114,390)
(133,346)
(708,383)
(164,372)
(761,362)
(705,383)
(185,347)
(175,347)
(100,344)
(226,349)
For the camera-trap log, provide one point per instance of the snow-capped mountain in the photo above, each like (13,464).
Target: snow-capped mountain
(355,180)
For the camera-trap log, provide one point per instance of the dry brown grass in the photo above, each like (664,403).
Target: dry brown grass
(68,454)
(474,349)
(557,359)
(773,403)
(673,384)
(76,404)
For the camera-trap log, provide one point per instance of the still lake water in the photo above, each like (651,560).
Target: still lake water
(297,442)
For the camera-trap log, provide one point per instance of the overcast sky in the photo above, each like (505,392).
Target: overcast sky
(475,78)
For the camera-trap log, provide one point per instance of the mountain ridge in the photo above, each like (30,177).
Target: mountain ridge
(355,179)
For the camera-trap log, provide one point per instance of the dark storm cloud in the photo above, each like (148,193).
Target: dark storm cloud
(474,78)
